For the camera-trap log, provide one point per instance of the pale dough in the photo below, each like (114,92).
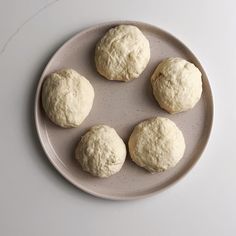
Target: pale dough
(101,151)
(177,85)
(122,54)
(67,98)
(156,144)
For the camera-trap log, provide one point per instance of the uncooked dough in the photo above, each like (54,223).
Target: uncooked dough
(122,54)
(177,85)
(101,151)
(156,144)
(67,98)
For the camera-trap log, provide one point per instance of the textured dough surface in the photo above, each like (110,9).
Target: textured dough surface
(101,151)
(122,54)
(67,98)
(177,85)
(156,144)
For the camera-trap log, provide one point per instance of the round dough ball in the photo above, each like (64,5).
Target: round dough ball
(156,144)
(122,54)
(101,151)
(67,98)
(177,85)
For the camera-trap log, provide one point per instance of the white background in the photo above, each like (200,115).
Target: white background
(36,200)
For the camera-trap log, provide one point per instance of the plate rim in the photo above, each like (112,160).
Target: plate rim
(68,176)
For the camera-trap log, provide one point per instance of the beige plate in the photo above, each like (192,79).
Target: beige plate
(122,105)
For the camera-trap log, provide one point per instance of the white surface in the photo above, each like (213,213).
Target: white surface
(36,200)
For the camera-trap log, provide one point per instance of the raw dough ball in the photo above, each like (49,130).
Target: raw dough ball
(101,151)
(67,98)
(122,54)
(156,144)
(177,85)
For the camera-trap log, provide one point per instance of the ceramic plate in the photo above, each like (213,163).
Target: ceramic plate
(121,106)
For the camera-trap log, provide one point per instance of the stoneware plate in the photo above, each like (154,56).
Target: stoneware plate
(121,106)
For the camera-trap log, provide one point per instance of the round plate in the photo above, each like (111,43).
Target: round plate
(121,106)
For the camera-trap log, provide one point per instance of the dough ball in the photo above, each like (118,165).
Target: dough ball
(177,85)
(156,144)
(122,54)
(67,98)
(101,151)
